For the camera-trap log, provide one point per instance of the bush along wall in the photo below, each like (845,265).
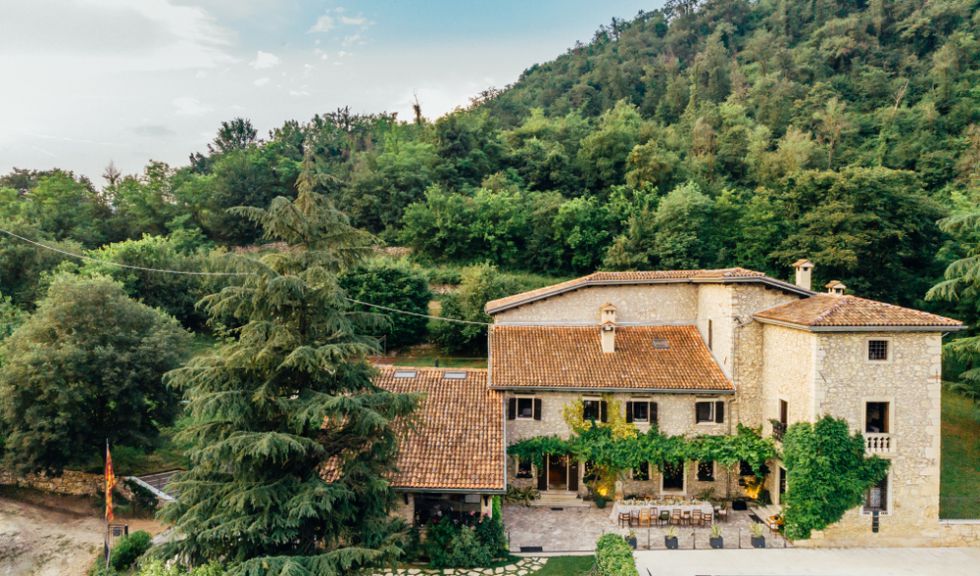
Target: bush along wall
(614,557)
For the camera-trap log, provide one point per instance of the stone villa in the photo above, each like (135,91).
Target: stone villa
(694,352)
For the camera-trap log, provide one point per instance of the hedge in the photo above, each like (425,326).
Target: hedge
(614,556)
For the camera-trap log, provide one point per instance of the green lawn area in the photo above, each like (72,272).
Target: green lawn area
(567,566)
(959,496)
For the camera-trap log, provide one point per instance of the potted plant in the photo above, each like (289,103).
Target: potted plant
(717,542)
(670,539)
(631,539)
(758,540)
(600,501)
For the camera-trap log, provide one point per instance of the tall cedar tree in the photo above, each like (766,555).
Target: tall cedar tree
(291,441)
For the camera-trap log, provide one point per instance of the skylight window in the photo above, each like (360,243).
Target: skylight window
(405,373)
(454,375)
(661,344)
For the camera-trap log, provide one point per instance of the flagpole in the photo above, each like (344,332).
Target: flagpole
(105,513)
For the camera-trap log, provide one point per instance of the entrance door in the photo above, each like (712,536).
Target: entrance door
(557,472)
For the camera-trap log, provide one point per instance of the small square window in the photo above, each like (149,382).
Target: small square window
(641,411)
(642,472)
(592,410)
(525,408)
(878,350)
(709,412)
(523,468)
(706,471)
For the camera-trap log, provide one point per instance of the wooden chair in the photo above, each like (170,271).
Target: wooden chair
(624,519)
(634,518)
(723,513)
(664,518)
(675,517)
(644,520)
(697,518)
(686,518)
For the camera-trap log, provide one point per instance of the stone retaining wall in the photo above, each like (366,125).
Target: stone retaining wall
(71,483)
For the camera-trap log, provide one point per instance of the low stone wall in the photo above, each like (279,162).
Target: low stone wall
(941,534)
(71,483)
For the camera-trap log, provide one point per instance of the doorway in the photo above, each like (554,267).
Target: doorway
(560,474)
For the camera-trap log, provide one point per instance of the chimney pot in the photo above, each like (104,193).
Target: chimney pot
(607,330)
(804,271)
(835,287)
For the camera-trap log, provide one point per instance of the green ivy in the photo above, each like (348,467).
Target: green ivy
(535,449)
(827,474)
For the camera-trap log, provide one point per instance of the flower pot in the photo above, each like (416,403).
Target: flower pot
(717,542)
(670,542)
(600,502)
(632,542)
(758,541)
(740,504)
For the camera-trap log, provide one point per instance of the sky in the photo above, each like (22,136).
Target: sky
(89,81)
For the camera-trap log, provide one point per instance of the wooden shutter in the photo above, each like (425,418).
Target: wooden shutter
(537,408)
(629,411)
(603,417)
(720,411)
(653,413)
(511,408)
(543,473)
(572,474)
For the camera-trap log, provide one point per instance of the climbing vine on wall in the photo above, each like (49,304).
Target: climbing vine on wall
(827,474)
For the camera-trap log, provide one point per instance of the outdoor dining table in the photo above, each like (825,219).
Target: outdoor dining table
(624,507)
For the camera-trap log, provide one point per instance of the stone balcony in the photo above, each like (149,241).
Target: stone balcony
(878,443)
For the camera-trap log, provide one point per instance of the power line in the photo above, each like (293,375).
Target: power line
(119,264)
(199,273)
(406,312)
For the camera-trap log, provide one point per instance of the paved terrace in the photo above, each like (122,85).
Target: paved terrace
(575,530)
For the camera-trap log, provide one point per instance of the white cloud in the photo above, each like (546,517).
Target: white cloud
(297,93)
(324,23)
(188,106)
(261,81)
(264,60)
(354,20)
(352,40)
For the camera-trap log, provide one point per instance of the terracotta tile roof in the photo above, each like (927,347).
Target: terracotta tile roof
(458,440)
(572,357)
(828,311)
(640,277)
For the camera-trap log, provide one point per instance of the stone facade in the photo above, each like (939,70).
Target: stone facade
(70,483)
(814,372)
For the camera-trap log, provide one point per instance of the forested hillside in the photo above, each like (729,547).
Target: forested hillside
(709,133)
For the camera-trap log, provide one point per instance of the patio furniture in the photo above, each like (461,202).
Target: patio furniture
(664,518)
(686,517)
(675,516)
(722,513)
(624,519)
(645,519)
(697,518)
(634,517)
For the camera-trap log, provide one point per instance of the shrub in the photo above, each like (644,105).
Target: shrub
(471,543)
(614,556)
(466,550)
(129,549)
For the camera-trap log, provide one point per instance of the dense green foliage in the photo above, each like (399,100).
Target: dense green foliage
(960,475)
(470,542)
(962,287)
(478,285)
(86,367)
(125,552)
(614,556)
(291,392)
(827,474)
(396,286)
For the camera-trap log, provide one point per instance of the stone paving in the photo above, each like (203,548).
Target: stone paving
(523,567)
(577,529)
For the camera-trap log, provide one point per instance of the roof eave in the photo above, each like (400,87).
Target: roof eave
(862,328)
(786,286)
(611,390)
(450,490)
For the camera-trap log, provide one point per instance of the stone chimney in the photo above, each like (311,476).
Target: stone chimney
(804,271)
(607,328)
(836,287)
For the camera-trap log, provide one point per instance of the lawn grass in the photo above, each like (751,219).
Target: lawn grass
(959,497)
(567,566)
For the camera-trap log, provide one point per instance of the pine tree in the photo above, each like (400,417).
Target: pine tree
(291,441)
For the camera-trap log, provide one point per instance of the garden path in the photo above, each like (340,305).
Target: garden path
(523,567)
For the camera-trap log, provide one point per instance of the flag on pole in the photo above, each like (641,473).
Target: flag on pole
(110,483)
